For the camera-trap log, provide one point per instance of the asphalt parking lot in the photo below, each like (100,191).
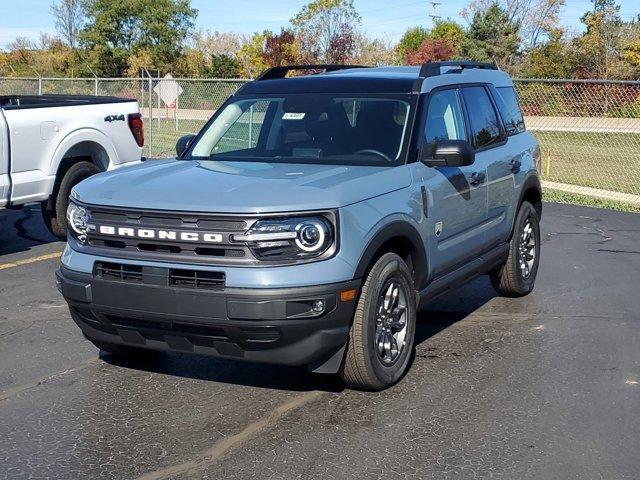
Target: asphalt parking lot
(540,387)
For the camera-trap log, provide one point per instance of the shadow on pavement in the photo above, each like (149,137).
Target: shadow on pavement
(230,371)
(20,230)
(444,312)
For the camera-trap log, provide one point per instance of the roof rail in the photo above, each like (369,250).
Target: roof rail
(432,69)
(281,72)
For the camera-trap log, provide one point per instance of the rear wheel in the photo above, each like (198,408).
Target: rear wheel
(381,339)
(54,210)
(517,276)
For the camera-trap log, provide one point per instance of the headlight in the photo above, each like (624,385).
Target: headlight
(77,218)
(289,238)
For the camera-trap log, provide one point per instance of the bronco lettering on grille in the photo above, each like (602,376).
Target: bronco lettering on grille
(152,233)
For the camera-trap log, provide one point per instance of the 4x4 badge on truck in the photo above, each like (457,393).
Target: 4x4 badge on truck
(438,229)
(114,118)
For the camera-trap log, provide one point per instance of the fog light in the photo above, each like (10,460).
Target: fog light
(317,306)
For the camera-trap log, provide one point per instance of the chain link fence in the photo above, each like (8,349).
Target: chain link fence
(589,130)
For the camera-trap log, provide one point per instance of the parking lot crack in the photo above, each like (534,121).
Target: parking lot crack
(12,392)
(217,450)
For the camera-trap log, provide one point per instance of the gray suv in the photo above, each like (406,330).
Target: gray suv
(311,219)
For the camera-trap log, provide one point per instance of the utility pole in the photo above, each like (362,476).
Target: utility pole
(434,12)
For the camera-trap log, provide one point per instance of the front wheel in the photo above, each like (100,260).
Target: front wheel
(518,275)
(54,210)
(381,338)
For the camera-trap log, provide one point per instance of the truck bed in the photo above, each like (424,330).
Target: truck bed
(15,102)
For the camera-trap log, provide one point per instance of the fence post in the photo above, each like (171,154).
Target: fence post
(96,85)
(39,85)
(150,116)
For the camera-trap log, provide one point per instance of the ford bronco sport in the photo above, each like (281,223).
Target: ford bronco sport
(310,220)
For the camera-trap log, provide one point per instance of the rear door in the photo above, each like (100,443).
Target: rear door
(458,203)
(493,154)
(507,171)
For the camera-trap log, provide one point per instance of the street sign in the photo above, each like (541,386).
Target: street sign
(168,90)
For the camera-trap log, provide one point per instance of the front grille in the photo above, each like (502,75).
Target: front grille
(224,227)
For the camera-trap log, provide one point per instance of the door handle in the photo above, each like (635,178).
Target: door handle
(515,165)
(477,178)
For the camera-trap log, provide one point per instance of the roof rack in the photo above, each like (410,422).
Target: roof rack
(281,72)
(432,69)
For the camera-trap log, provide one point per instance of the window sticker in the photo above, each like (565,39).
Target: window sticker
(293,116)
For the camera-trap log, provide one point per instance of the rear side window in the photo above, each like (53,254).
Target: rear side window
(510,110)
(485,127)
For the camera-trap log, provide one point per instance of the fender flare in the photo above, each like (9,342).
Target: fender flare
(531,182)
(396,228)
(80,136)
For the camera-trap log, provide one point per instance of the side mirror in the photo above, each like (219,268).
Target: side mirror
(183,143)
(451,153)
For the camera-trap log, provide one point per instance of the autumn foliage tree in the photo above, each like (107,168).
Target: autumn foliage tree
(280,49)
(326,29)
(431,50)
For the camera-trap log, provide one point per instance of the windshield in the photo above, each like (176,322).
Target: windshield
(308,128)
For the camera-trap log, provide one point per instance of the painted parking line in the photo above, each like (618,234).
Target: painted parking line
(27,261)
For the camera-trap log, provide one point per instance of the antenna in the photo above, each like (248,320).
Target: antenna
(434,11)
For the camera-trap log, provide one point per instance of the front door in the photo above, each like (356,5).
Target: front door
(457,196)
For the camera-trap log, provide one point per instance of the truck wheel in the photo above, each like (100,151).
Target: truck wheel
(518,275)
(383,330)
(54,210)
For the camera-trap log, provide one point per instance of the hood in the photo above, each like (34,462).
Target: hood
(238,187)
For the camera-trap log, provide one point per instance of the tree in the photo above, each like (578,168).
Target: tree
(450,31)
(281,49)
(410,42)
(492,36)
(69,19)
(342,45)
(536,18)
(251,55)
(431,50)
(600,45)
(219,43)
(326,29)
(372,51)
(118,29)
(551,59)
(542,21)
(224,66)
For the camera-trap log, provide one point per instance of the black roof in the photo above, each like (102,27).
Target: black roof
(361,80)
(353,79)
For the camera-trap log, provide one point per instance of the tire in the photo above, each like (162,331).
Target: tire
(54,210)
(517,276)
(366,366)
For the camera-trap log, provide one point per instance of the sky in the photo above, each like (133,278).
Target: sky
(386,19)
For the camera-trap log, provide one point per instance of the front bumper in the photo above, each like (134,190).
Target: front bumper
(261,325)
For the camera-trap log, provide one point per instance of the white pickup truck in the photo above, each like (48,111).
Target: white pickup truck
(49,143)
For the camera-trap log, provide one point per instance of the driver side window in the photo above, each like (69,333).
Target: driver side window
(444,119)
